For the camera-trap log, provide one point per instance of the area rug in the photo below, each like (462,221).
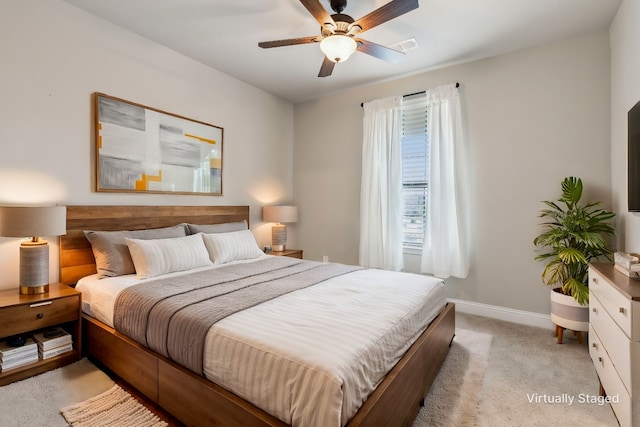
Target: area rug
(455,393)
(114,407)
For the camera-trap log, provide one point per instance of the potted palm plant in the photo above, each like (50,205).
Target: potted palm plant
(574,235)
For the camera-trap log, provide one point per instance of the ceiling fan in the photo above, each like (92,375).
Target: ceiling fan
(338,38)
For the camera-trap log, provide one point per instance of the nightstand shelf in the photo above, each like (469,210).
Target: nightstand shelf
(292,253)
(25,314)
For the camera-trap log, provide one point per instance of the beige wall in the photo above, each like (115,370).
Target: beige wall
(625,93)
(55,56)
(534,117)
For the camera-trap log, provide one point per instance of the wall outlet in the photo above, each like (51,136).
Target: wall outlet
(325,258)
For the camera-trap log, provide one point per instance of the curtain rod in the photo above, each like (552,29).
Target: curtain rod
(411,94)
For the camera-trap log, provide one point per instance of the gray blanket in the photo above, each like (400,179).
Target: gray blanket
(172,315)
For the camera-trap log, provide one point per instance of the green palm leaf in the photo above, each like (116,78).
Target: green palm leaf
(574,236)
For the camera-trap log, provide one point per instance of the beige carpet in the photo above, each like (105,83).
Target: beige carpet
(526,364)
(37,401)
(455,393)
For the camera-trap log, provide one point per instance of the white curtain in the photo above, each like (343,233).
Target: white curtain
(446,244)
(381,207)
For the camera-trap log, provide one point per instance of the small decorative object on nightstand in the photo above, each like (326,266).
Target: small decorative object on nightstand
(35,221)
(32,314)
(279,214)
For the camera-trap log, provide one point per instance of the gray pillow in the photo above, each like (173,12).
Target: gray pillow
(217,228)
(112,254)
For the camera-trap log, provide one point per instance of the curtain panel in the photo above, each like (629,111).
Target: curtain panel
(445,251)
(381,205)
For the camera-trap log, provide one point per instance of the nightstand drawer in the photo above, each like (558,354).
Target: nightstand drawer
(39,314)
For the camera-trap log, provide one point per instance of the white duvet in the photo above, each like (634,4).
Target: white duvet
(310,357)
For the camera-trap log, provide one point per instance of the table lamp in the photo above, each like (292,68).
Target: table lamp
(34,221)
(279,214)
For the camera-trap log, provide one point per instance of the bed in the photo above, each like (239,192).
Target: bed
(192,398)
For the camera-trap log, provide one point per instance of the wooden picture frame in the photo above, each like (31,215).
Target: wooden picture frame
(142,149)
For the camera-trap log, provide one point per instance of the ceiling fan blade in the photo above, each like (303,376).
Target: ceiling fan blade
(320,13)
(288,42)
(382,52)
(389,11)
(326,68)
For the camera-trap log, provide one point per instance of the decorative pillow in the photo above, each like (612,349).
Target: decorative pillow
(111,252)
(232,246)
(217,228)
(161,256)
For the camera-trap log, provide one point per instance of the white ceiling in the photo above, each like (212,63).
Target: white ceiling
(224,34)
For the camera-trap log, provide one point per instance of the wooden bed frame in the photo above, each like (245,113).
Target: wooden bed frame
(193,399)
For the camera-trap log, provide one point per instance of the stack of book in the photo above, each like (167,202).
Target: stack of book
(628,264)
(53,342)
(14,357)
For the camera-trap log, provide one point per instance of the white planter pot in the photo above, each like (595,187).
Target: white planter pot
(567,313)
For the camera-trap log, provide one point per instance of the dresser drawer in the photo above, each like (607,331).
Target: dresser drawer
(613,385)
(41,314)
(612,337)
(620,308)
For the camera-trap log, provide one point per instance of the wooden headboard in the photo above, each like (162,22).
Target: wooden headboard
(76,256)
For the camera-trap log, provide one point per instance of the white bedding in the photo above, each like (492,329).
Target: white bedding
(330,344)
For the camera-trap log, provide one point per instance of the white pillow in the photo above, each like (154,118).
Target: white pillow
(232,246)
(160,256)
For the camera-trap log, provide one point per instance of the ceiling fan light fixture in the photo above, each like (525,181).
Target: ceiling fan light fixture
(338,47)
(340,33)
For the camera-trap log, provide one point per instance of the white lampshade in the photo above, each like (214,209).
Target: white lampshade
(33,221)
(280,213)
(338,47)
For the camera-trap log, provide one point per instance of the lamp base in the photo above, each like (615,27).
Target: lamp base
(278,237)
(34,267)
(34,290)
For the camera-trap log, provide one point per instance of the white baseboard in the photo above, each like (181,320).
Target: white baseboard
(502,313)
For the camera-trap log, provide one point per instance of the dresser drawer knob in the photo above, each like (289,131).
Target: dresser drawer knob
(600,360)
(595,280)
(594,309)
(594,345)
(40,316)
(622,310)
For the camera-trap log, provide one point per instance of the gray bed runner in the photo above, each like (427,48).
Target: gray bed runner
(172,315)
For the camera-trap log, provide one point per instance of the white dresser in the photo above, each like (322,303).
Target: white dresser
(614,339)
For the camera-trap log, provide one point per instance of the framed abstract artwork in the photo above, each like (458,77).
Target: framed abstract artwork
(142,149)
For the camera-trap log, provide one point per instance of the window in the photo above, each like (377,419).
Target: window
(415,169)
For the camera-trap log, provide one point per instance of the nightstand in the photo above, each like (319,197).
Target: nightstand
(292,253)
(25,314)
